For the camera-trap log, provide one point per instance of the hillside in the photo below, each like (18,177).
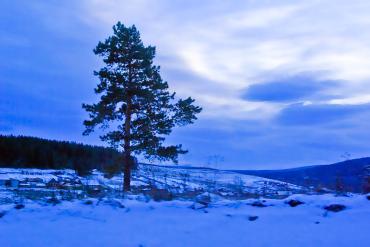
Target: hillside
(347,175)
(148,179)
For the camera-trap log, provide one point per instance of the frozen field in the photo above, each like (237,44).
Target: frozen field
(135,221)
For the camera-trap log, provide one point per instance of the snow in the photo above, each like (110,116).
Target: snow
(209,218)
(174,223)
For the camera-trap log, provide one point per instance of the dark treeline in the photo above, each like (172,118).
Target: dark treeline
(32,152)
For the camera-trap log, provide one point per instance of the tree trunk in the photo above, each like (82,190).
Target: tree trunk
(127,148)
(127,173)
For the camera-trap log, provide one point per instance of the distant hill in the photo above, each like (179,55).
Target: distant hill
(347,175)
(33,152)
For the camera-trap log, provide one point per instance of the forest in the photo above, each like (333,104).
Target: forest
(33,152)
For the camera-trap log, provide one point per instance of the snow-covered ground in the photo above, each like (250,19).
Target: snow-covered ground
(135,221)
(209,217)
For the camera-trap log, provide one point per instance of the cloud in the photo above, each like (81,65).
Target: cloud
(295,88)
(243,61)
(319,114)
(236,47)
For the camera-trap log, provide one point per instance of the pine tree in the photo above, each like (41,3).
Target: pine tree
(136,109)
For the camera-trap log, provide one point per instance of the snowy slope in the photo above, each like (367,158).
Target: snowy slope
(177,180)
(211,179)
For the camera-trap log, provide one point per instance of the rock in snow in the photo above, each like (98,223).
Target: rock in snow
(258,204)
(19,206)
(252,218)
(335,207)
(294,203)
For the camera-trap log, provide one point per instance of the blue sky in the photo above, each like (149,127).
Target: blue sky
(282,83)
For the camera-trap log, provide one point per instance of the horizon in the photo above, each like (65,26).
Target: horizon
(277,90)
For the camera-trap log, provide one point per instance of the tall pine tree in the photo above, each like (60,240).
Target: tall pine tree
(136,109)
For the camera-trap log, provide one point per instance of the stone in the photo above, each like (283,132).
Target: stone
(258,204)
(252,218)
(19,206)
(335,208)
(294,203)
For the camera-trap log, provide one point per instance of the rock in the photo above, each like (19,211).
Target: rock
(19,206)
(258,204)
(160,194)
(2,213)
(335,207)
(317,222)
(114,203)
(252,218)
(203,199)
(368,197)
(294,203)
(197,206)
(53,200)
(88,202)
